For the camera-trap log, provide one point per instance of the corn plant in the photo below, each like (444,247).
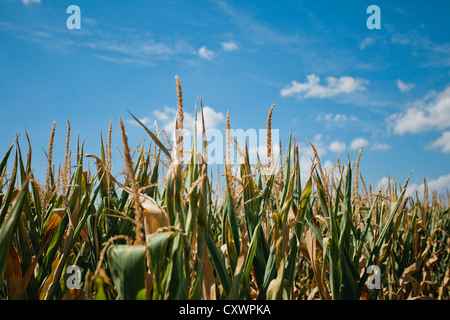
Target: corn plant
(166,229)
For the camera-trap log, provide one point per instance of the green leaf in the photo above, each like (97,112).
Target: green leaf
(9,192)
(99,291)
(306,194)
(160,260)
(269,274)
(154,137)
(127,266)
(250,255)
(219,264)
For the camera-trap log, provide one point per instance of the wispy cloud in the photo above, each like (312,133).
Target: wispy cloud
(31,1)
(400,39)
(313,89)
(404,87)
(126,60)
(121,46)
(430,113)
(137,49)
(229,46)
(380,146)
(89,21)
(366,42)
(260,33)
(337,119)
(436,54)
(204,53)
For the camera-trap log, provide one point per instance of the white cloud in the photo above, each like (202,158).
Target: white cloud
(205,53)
(166,119)
(30,1)
(313,89)
(358,142)
(380,146)
(355,144)
(423,115)
(366,42)
(230,46)
(443,142)
(212,118)
(337,146)
(440,185)
(404,86)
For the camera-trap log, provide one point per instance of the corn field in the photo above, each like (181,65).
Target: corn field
(165,229)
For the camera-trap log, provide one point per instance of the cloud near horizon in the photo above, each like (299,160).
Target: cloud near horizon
(440,184)
(166,119)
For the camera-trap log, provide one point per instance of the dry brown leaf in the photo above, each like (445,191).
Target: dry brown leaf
(209,282)
(49,280)
(72,294)
(422,298)
(104,276)
(445,285)
(50,228)
(312,252)
(13,274)
(52,224)
(84,234)
(362,263)
(364,294)
(304,251)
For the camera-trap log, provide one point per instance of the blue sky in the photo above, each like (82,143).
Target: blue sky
(332,80)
